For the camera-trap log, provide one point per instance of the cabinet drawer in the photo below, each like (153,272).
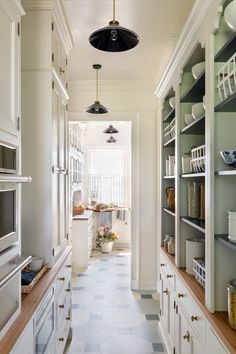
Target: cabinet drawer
(168,274)
(193,313)
(213,343)
(63,276)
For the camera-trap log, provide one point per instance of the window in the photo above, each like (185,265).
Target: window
(107,176)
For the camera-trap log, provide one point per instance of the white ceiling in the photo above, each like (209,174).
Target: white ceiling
(157,22)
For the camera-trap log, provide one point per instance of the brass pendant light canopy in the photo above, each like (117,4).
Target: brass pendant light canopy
(97,107)
(111,130)
(114,38)
(111,140)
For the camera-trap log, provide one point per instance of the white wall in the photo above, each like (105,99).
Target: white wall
(135,102)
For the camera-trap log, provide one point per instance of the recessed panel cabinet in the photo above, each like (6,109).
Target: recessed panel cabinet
(45,128)
(10,68)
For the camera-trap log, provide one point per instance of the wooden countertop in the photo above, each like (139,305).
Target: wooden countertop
(219,319)
(30,303)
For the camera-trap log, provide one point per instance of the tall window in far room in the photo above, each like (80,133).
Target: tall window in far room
(108,176)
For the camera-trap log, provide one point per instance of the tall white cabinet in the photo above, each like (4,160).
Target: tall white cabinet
(193,317)
(10,28)
(46,42)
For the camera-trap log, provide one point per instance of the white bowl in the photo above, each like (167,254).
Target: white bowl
(230,15)
(198,110)
(197,69)
(36,264)
(172,102)
(188,118)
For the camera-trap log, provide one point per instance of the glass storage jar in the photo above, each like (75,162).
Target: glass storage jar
(232,303)
(165,241)
(171,245)
(193,200)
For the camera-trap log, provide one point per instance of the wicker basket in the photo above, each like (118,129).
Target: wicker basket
(25,289)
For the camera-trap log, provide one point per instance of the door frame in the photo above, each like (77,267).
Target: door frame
(134,118)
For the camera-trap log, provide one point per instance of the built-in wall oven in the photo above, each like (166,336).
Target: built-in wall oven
(9,209)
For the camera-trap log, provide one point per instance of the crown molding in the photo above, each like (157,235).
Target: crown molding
(114,85)
(13,8)
(185,44)
(60,17)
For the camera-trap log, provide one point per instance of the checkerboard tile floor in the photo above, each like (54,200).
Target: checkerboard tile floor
(108,317)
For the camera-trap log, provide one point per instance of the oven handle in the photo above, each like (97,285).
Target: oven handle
(15,179)
(13,267)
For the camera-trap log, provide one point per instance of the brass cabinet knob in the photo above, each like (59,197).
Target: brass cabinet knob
(68,266)
(61,339)
(68,318)
(187,336)
(61,71)
(169,276)
(62,278)
(165,291)
(162,265)
(68,290)
(180,295)
(194,318)
(61,306)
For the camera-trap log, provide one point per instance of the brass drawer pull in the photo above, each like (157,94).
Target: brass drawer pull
(68,266)
(165,291)
(162,265)
(62,278)
(61,71)
(169,276)
(187,336)
(61,306)
(194,318)
(68,318)
(61,339)
(180,295)
(68,290)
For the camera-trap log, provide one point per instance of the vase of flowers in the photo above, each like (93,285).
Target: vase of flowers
(105,238)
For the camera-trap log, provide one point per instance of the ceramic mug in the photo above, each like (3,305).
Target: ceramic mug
(36,264)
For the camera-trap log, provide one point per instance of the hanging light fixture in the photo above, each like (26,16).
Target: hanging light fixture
(97,107)
(111,140)
(114,38)
(111,130)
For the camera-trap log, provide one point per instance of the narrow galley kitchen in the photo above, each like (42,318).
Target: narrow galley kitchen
(108,317)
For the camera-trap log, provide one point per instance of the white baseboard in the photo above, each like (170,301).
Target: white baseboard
(121,245)
(144,285)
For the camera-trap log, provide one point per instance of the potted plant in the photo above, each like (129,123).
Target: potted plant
(105,238)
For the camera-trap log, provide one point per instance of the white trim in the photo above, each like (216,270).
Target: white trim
(60,16)
(185,44)
(144,285)
(135,146)
(13,8)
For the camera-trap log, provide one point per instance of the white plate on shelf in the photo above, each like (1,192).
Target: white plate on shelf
(230,15)
(198,69)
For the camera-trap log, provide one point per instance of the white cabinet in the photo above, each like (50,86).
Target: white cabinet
(185,328)
(82,240)
(44,131)
(25,343)
(10,12)
(63,314)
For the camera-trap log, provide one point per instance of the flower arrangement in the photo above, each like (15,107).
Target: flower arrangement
(105,234)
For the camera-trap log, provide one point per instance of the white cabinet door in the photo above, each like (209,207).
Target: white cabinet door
(9,73)
(25,343)
(59,170)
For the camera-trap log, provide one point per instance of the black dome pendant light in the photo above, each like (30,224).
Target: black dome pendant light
(111,130)
(111,140)
(114,38)
(97,107)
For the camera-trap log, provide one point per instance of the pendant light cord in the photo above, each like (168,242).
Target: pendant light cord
(97,83)
(114,12)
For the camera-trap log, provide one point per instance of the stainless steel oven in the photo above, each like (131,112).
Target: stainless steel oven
(9,209)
